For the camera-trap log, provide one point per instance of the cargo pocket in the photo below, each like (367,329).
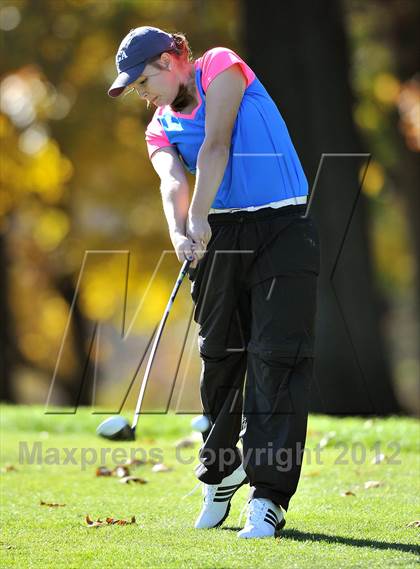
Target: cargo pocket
(310,247)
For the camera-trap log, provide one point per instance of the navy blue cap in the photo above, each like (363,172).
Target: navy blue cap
(139,45)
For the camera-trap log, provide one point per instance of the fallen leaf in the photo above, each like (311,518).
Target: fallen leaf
(51,504)
(188,442)
(5,545)
(415,524)
(9,468)
(108,522)
(313,473)
(103,471)
(312,433)
(160,467)
(348,493)
(135,462)
(124,522)
(92,523)
(120,471)
(128,479)
(372,484)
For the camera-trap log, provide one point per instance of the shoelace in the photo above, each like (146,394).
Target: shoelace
(191,492)
(256,511)
(209,490)
(243,510)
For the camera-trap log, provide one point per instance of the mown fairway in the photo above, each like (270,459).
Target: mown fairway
(366,528)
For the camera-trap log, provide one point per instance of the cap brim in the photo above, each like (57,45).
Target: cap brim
(125,78)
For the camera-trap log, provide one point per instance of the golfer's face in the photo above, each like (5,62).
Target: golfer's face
(156,86)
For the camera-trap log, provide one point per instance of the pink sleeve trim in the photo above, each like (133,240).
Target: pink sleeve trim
(155,136)
(216,60)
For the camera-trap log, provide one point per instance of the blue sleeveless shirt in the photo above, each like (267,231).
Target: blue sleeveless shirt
(263,165)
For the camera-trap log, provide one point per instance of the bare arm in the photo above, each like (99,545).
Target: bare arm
(175,197)
(223,99)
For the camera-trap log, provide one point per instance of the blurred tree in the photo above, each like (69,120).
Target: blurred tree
(405,42)
(75,176)
(300,55)
(6,339)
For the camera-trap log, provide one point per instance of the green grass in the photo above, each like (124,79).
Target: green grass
(324,529)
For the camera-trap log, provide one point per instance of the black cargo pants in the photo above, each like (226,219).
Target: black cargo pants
(255,299)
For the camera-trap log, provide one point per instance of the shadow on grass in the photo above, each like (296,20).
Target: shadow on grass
(232,528)
(297,535)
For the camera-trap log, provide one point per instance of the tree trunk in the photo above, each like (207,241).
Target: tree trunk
(405,43)
(300,55)
(7,348)
(78,388)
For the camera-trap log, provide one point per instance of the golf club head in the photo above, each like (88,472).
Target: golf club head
(115,429)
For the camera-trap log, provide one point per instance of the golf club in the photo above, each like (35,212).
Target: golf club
(117,428)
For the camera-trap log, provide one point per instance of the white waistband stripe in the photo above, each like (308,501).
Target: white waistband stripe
(298,200)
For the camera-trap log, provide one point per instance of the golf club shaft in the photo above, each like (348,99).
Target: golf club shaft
(155,344)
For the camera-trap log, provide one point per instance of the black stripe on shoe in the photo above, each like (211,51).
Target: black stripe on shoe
(271,518)
(224,492)
(231,487)
(222,496)
(270,511)
(227,499)
(269,521)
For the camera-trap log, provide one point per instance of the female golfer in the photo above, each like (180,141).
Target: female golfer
(255,260)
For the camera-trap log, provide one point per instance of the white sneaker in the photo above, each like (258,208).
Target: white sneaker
(264,519)
(217,499)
